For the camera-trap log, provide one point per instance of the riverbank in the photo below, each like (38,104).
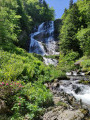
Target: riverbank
(66,106)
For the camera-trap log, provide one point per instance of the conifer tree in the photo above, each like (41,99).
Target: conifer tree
(70,27)
(70,4)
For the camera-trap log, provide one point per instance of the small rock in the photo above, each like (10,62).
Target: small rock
(3,107)
(55,85)
(77,90)
(56,80)
(46,85)
(56,99)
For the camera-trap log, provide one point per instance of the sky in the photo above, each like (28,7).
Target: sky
(59,6)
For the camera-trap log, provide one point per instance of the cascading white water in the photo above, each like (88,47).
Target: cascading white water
(79,91)
(42,42)
(50,61)
(36,46)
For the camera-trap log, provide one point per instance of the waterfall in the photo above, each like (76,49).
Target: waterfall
(43,42)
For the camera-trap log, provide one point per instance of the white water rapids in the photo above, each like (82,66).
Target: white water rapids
(74,88)
(42,42)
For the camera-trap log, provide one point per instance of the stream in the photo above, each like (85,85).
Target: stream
(76,89)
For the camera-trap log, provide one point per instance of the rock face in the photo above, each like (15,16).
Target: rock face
(60,113)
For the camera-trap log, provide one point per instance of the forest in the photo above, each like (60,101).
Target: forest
(23,74)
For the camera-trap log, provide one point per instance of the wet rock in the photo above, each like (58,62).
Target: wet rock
(55,85)
(77,90)
(74,86)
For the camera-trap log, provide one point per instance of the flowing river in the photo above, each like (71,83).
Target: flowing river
(78,90)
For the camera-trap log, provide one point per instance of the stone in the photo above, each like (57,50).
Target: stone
(56,80)
(60,113)
(46,85)
(77,90)
(56,99)
(55,85)
(3,107)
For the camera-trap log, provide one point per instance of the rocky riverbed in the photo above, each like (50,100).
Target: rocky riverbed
(66,105)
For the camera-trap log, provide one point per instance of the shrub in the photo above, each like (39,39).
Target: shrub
(66,63)
(7,91)
(31,101)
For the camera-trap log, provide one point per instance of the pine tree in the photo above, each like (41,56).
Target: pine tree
(68,40)
(65,10)
(70,4)
(45,4)
(41,1)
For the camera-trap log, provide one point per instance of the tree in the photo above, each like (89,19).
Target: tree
(68,40)
(8,22)
(41,1)
(84,38)
(70,4)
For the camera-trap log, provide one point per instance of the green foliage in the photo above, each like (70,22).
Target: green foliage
(26,101)
(8,89)
(52,56)
(84,82)
(9,28)
(29,103)
(14,66)
(85,64)
(66,63)
(71,4)
(68,40)
(19,65)
(57,27)
(75,32)
(84,37)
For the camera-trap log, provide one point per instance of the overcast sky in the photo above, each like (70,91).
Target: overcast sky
(59,6)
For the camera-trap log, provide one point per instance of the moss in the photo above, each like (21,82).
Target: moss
(84,81)
(61,104)
(84,111)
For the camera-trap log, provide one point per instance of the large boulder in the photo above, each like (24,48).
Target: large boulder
(59,113)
